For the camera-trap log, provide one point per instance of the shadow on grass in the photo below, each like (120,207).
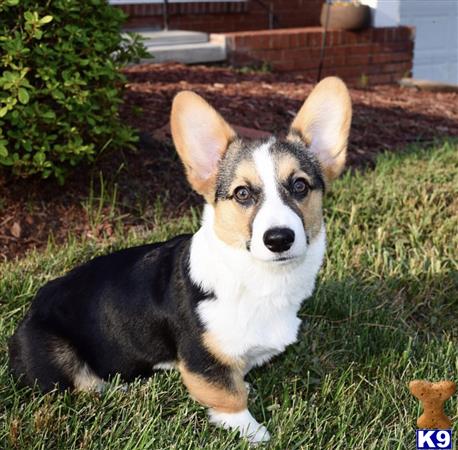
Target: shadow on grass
(364,325)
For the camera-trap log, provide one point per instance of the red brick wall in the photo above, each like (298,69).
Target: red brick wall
(226,17)
(383,55)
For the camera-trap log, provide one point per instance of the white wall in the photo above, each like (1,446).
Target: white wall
(436,42)
(385,13)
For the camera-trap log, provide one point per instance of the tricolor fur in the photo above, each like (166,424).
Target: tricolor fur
(215,304)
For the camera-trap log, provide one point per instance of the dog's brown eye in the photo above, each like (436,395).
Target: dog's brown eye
(242,194)
(300,186)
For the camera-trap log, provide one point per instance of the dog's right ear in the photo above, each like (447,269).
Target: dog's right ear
(201,137)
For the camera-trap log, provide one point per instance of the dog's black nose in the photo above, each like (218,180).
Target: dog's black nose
(278,239)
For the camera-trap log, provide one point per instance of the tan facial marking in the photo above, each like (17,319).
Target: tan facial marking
(232,220)
(312,213)
(246,172)
(221,398)
(213,347)
(286,165)
(311,205)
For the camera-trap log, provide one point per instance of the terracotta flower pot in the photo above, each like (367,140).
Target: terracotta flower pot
(346,16)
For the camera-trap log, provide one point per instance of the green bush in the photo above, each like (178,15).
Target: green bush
(60,85)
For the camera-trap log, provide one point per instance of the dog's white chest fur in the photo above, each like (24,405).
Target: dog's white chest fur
(252,314)
(246,329)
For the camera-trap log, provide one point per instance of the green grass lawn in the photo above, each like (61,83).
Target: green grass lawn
(385,312)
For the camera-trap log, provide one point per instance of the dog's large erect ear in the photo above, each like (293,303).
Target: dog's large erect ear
(201,137)
(323,123)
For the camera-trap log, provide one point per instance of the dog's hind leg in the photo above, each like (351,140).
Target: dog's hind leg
(85,380)
(32,361)
(37,357)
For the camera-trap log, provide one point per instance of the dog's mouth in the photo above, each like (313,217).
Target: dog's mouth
(287,259)
(284,258)
(281,260)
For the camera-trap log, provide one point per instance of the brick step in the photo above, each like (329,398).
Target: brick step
(370,56)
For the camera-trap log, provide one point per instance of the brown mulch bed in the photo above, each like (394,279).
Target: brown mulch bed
(385,118)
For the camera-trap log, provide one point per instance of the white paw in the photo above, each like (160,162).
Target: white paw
(248,387)
(260,435)
(243,422)
(123,387)
(168,365)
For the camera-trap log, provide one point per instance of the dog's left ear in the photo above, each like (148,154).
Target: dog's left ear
(201,137)
(323,123)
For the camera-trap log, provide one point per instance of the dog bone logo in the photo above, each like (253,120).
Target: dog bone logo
(432,396)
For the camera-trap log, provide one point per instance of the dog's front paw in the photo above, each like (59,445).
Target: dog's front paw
(243,422)
(257,436)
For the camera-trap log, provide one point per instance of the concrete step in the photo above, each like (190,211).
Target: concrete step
(211,51)
(154,38)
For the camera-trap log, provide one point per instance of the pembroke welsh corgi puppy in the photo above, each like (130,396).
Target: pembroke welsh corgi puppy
(213,304)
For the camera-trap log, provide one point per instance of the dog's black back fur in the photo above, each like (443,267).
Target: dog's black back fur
(120,313)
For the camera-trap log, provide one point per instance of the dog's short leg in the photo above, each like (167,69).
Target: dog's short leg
(85,380)
(226,398)
(241,421)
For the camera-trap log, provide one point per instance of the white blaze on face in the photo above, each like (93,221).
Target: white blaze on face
(274,213)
